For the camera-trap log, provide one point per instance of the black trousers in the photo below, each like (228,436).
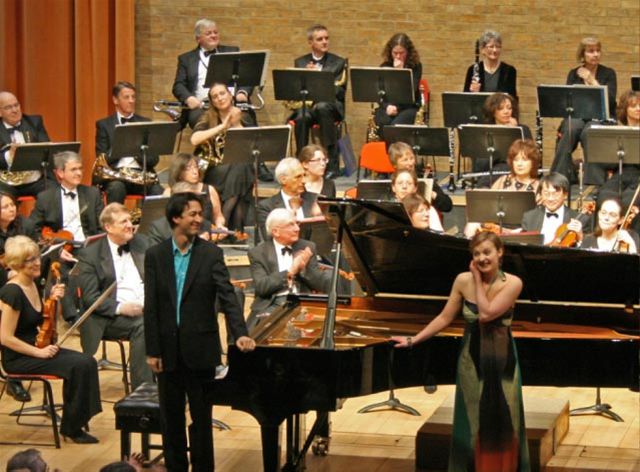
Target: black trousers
(325,114)
(117,190)
(173,386)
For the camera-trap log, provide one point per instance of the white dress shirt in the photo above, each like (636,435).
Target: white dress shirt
(285,261)
(129,287)
(71,214)
(550,224)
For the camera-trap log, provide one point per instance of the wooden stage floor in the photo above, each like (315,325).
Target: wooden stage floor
(380,441)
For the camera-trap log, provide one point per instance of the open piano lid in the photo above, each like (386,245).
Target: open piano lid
(389,256)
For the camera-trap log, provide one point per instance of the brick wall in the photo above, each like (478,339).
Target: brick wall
(540,38)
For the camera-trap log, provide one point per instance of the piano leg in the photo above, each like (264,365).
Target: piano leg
(270,435)
(296,429)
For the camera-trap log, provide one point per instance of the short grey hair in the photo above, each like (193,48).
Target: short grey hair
(60,159)
(276,218)
(201,24)
(286,166)
(313,28)
(488,36)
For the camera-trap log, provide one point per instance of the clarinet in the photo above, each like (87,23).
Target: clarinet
(451,187)
(476,65)
(539,132)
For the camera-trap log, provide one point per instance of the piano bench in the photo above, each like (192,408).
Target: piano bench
(139,412)
(546,420)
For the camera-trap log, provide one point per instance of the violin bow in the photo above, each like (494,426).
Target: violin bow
(87,313)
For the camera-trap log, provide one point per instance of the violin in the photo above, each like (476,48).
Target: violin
(218,232)
(47,332)
(632,212)
(566,237)
(49,237)
(490,227)
(343,273)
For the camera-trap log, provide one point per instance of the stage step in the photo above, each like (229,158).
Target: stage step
(547,422)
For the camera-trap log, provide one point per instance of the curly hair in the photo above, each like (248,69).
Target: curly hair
(401,39)
(530,150)
(627,99)
(492,104)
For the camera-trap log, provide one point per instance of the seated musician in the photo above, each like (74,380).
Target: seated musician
(124,99)
(524,161)
(22,314)
(118,257)
(402,157)
(628,114)
(608,236)
(405,182)
(281,265)
(419,211)
(325,114)
(491,74)
(186,168)
(590,72)
(70,207)
(17,128)
(160,229)
(12,224)
(552,213)
(400,53)
(292,195)
(313,158)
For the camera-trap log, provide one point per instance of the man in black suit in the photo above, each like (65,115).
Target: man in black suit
(283,264)
(553,213)
(188,86)
(124,99)
(16,129)
(323,113)
(69,206)
(118,257)
(183,277)
(292,195)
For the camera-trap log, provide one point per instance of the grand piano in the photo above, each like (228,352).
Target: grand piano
(577,324)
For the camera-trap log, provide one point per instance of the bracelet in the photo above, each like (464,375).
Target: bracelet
(409,341)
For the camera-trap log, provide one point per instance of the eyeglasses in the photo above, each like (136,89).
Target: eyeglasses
(550,193)
(11,107)
(32,260)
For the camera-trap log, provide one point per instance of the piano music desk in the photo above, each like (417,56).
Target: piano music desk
(547,422)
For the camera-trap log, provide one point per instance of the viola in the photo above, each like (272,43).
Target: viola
(47,334)
(566,237)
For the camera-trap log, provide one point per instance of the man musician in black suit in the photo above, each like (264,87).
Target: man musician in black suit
(15,129)
(184,275)
(323,113)
(124,99)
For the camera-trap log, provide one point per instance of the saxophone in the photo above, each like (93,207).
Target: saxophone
(102,172)
(420,121)
(208,155)
(294,105)
(373,131)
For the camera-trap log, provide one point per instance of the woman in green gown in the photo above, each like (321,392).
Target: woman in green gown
(488,421)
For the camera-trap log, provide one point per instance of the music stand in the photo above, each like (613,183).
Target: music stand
(153,208)
(304,85)
(613,145)
(238,69)
(635,83)
(488,142)
(255,145)
(381,84)
(39,156)
(499,206)
(142,138)
(424,141)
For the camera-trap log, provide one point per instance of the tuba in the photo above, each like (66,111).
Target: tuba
(103,172)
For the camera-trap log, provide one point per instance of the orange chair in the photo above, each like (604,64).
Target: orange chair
(374,157)
(26,205)
(425,99)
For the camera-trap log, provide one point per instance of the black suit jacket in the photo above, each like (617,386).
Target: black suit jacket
(106,127)
(96,272)
(334,64)
(186,81)
(532,220)
(506,79)
(269,280)
(197,340)
(48,209)
(267,205)
(32,127)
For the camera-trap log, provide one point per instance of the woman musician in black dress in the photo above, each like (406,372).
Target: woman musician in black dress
(22,314)
(491,74)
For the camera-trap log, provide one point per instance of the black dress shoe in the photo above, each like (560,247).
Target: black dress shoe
(264,174)
(17,391)
(82,437)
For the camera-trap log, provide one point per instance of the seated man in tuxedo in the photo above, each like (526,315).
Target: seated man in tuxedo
(553,213)
(17,128)
(118,257)
(323,113)
(124,99)
(68,206)
(292,195)
(281,265)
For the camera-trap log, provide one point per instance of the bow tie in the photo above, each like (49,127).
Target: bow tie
(13,129)
(209,53)
(549,214)
(70,194)
(287,250)
(124,120)
(124,248)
